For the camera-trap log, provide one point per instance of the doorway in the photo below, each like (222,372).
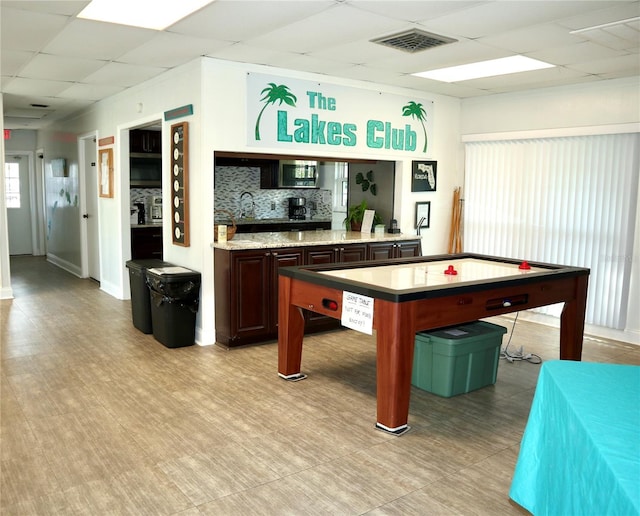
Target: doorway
(18,170)
(90,227)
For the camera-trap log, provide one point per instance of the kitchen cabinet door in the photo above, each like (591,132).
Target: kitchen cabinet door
(407,249)
(388,250)
(146,242)
(280,258)
(250,296)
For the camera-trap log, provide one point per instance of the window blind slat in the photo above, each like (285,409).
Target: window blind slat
(569,200)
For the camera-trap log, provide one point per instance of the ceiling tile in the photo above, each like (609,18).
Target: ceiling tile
(90,91)
(97,40)
(237,21)
(170,49)
(607,13)
(341,24)
(496,17)
(25,30)
(66,7)
(629,65)
(45,88)
(120,74)
(14,60)
(572,54)
(59,68)
(412,11)
(251,54)
(530,39)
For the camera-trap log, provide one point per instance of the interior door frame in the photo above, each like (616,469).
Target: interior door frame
(82,183)
(29,155)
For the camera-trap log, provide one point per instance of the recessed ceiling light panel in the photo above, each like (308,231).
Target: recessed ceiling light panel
(147,14)
(491,68)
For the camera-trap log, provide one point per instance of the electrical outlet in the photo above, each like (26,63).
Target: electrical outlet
(273,205)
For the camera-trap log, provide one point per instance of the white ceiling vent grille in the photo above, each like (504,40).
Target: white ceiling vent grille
(413,40)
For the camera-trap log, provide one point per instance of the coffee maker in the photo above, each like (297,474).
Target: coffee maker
(297,209)
(142,216)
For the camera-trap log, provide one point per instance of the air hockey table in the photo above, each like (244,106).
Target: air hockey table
(410,295)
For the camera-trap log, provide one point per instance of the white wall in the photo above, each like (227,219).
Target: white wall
(596,108)
(6,292)
(224,101)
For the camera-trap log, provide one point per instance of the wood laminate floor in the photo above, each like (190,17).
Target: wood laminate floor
(98,418)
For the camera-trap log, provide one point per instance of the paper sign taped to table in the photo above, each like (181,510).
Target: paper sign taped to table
(357,312)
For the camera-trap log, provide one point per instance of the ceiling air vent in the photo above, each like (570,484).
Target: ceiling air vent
(413,40)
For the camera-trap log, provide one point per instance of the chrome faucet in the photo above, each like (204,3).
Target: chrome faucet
(251,213)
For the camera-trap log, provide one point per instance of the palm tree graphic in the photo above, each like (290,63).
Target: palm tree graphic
(415,110)
(272,94)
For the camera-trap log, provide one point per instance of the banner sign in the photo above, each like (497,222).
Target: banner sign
(293,114)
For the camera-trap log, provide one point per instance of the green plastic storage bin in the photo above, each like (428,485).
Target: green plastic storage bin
(458,359)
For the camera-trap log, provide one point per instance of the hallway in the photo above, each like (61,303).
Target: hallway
(98,418)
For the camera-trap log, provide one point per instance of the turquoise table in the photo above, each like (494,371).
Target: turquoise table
(580,453)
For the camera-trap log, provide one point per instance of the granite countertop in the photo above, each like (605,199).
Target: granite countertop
(303,238)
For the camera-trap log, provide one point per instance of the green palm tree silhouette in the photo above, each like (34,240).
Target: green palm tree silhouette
(415,110)
(272,94)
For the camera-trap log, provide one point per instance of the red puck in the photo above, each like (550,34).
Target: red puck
(524,266)
(450,270)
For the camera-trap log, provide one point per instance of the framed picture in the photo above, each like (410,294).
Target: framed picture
(424,175)
(423,214)
(105,171)
(59,167)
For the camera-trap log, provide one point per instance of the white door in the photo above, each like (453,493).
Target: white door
(91,214)
(18,198)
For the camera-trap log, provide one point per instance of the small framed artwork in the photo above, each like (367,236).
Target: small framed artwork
(105,171)
(424,175)
(423,214)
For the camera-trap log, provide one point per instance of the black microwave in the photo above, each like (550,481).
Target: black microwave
(298,174)
(145,170)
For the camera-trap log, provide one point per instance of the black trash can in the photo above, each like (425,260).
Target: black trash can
(140,298)
(175,297)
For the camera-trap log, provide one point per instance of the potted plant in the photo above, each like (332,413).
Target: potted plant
(355,214)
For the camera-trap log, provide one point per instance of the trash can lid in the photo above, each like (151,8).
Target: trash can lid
(173,273)
(147,263)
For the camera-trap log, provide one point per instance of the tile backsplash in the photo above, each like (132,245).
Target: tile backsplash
(231,182)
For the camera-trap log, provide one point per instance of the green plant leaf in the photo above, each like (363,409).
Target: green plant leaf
(370,175)
(365,185)
(359,178)
(374,189)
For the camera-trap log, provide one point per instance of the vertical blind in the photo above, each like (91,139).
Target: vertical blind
(569,200)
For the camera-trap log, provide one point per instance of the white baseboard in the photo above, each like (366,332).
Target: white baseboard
(112,289)
(628,336)
(205,338)
(64,264)
(6,293)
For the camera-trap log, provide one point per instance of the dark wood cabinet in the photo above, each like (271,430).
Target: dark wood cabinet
(388,250)
(246,286)
(145,141)
(246,291)
(318,255)
(146,242)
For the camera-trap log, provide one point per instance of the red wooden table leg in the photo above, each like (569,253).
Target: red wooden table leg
(395,326)
(572,322)
(290,333)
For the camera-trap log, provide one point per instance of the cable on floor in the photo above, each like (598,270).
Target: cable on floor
(518,355)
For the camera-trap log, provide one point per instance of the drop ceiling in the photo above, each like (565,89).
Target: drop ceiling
(54,64)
